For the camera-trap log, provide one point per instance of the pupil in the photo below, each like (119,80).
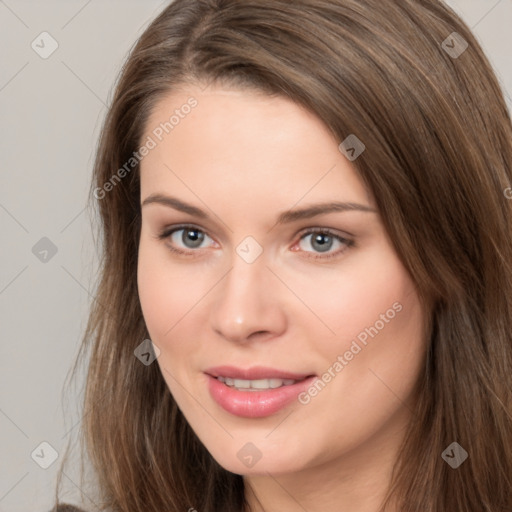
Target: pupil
(324,241)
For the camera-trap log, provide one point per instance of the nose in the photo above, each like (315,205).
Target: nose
(247,303)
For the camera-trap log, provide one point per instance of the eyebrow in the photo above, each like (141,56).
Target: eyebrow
(283,218)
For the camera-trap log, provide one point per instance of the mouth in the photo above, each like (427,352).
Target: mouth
(256,392)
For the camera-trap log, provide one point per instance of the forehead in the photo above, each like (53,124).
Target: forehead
(245,144)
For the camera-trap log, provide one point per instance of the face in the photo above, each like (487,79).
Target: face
(290,334)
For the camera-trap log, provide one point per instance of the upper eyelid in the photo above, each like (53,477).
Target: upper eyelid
(172,229)
(167,232)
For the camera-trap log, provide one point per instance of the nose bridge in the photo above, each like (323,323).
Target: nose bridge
(242,287)
(242,281)
(244,304)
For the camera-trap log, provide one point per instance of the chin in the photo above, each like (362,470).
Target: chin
(249,460)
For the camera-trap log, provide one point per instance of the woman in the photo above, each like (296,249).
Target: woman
(307,249)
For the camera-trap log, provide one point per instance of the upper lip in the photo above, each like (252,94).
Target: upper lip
(254,373)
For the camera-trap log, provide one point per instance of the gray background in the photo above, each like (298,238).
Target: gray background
(51,115)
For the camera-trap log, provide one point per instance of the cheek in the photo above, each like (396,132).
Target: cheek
(373,361)
(376,341)
(380,343)
(167,291)
(369,288)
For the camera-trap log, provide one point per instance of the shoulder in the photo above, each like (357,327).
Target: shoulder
(64,507)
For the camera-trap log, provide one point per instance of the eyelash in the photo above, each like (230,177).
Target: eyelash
(166,233)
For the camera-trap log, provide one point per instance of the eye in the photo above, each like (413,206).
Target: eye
(184,238)
(322,241)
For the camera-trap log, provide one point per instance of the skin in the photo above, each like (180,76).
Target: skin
(244,158)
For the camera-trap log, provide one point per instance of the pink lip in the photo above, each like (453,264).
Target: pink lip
(255,404)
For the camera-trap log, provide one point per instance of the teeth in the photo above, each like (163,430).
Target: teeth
(255,385)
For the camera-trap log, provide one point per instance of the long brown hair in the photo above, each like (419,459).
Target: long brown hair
(438,160)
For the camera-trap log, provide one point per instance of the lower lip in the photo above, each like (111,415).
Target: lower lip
(255,404)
